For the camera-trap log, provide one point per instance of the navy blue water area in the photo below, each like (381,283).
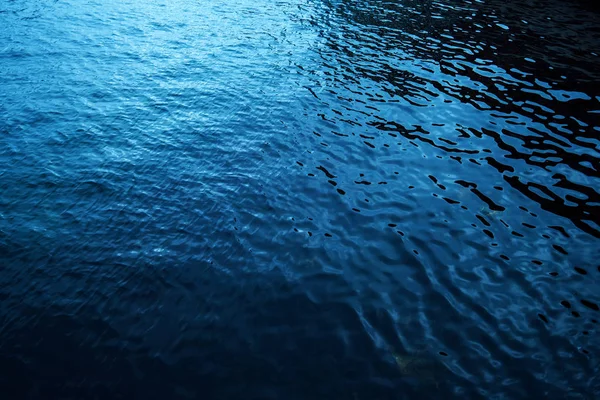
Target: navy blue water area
(299,199)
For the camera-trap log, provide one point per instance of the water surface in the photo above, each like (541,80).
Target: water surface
(281,200)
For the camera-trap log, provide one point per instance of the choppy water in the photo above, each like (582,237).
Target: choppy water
(285,200)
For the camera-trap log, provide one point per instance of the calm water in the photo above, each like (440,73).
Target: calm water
(303,199)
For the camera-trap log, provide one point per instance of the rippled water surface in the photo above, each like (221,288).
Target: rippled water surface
(302,199)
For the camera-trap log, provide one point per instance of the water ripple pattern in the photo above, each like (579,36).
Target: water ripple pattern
(301,199)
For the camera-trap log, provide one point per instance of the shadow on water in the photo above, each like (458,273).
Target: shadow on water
(119,334)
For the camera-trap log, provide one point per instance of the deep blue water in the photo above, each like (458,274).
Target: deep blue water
(282,200)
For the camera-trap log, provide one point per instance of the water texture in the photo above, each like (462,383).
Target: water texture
(301,199)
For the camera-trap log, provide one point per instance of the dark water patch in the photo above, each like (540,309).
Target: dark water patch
(590,304)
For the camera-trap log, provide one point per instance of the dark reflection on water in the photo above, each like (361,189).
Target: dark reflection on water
(300,200)
(452,58)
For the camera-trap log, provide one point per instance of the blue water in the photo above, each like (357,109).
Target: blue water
(303,199)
